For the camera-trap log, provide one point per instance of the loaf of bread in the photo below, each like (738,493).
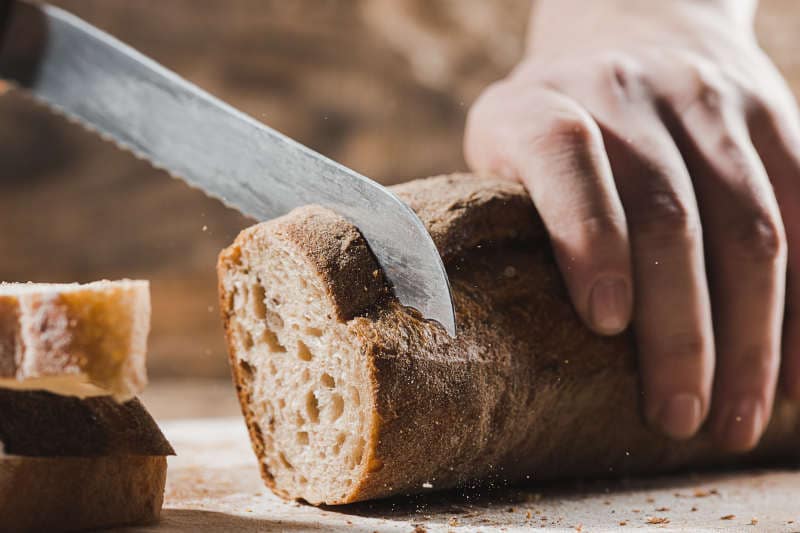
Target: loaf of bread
(349,396)
(69,464)
(81,340)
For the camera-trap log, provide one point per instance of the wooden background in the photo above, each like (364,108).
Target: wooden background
(381,85)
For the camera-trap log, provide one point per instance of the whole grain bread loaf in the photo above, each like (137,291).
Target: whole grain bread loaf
(69,464)
(349,396)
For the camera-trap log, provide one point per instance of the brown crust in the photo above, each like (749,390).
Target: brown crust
(460,211)
(41,424)
(78,493)
(525,391)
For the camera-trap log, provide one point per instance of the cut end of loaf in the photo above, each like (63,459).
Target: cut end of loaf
(303,382)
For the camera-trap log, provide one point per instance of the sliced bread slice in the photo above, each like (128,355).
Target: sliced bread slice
(73,339)
(69,464)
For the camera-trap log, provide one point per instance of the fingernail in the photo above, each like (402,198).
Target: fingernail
(609,305)
(681,416)
(742,425)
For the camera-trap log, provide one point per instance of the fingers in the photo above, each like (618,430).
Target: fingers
(673,313)
(552,146)
(696,157)
(776,137)
(746,268)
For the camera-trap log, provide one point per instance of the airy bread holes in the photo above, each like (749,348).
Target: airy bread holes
(258,297)
(285,461)
(303,352)
(246,369)
(314,332)
(340,439)
(271,340)
(312,407)
(358,453)
(302,438)
(354,395)
(246,338)
(337,407)
(327,380)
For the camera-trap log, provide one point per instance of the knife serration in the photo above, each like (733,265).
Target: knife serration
(128,98)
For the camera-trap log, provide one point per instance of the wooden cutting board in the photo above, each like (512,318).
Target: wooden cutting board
(213,485)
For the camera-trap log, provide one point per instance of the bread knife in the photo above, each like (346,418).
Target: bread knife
(115,91)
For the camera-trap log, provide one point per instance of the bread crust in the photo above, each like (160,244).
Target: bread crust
(42,424)
(68,464)
(525,392)
(79,493)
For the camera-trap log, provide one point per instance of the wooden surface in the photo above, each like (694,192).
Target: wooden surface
(213,485)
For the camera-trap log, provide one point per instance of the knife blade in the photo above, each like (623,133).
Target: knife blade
(127,98)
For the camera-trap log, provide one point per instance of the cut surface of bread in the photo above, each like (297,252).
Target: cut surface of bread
(75,339)
(304,382)
(69,464)
(349,396)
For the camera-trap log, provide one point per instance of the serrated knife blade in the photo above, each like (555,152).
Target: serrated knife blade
(128,98)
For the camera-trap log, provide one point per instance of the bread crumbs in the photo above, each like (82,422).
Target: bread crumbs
(662,509)
(754,521)
(727,517)
(653,520)
(623,523)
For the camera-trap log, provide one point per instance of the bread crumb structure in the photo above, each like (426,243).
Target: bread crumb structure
(306,385)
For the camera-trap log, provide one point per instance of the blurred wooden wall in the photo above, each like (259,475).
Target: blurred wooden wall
(380,85)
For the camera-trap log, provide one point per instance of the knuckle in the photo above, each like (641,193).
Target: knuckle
(622,74)
(568,128)
(665,216)
(706,89)
(710,87)
(760,237)
(594,227)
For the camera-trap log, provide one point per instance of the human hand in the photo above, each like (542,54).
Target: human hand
(662,149)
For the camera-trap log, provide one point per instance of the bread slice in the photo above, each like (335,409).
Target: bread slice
(68,464)
(81,340)
(349,396)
